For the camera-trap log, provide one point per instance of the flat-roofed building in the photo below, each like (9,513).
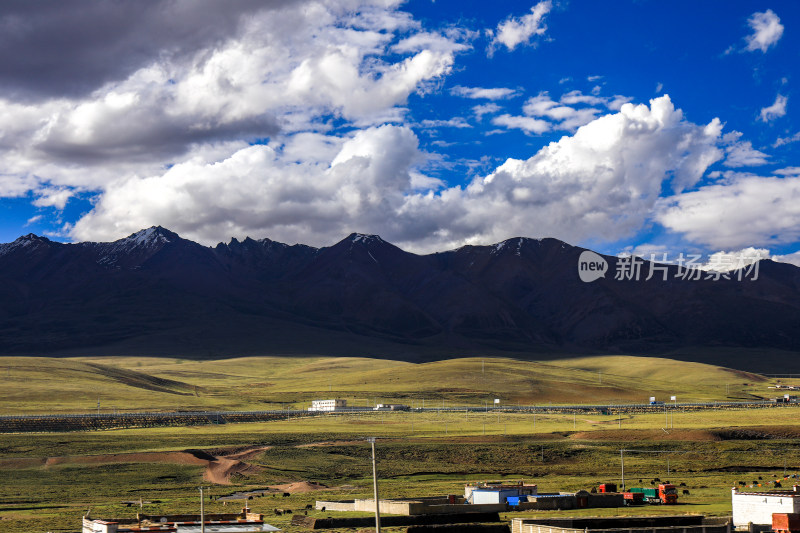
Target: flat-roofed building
(757,507)
(328,405)
(488,492)
(244,522)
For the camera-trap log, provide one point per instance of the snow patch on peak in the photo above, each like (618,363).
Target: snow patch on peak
(29,239)
(142,243)
(269,243)
(515,244)
(26,241)
(148,237)
(366,239)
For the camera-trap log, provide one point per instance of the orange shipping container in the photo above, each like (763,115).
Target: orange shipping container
(785,522)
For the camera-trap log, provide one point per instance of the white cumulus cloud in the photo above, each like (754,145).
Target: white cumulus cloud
(571,111)
(742,154)
(724,261)
(603,180)
(780,141)
(767,31)
(777,109)
(485,109)
(513,31)
(494,93)
(788,171)
(744,210)
(792,258)
(526,124)
(288,68)
(567,118)
(264,190)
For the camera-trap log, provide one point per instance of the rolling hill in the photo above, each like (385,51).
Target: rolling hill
(54,385)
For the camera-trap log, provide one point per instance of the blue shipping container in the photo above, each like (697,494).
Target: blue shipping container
(515,500)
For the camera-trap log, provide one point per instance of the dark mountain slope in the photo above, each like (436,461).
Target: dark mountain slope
(156,293)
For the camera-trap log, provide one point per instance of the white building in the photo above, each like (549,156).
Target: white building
(757,507)
(328,405)
(479,493)
(219,523)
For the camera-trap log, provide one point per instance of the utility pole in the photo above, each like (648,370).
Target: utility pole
(375,487)
(622,468)
(202,512)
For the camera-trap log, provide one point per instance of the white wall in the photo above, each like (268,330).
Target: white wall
(758,507)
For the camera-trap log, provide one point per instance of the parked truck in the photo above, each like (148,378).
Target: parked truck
(607,487)
(630,498)
(664,493)
(633,498)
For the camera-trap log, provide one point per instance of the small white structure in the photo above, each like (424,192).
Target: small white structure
(757,507)
(328,405)
(99,526)
(483,493)
(252,524)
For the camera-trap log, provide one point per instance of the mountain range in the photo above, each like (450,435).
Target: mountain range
(155,293)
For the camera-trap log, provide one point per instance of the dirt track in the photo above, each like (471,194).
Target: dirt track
(218,468)
(299,486)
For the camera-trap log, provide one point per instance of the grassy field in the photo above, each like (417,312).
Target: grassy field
(78,384)
(431,453)
(710,452)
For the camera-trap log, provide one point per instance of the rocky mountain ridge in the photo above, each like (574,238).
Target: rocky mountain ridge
(155,293)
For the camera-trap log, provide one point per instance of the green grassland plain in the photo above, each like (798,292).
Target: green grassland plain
(36,385)
(431,453)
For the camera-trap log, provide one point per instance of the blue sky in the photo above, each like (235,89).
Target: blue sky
(638,126)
